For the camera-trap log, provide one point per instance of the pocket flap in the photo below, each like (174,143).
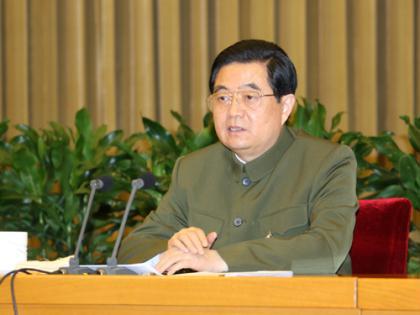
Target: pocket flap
(205,222)
(284,220)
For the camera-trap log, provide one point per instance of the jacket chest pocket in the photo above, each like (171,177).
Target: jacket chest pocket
(205,222)
(286,222)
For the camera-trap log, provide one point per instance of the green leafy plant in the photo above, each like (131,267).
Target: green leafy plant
(311,117)
(413,265)
(44,183)
(384,169)
(393,173)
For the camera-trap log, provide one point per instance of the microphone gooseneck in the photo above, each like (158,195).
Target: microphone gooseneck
(145,181)
(102,183)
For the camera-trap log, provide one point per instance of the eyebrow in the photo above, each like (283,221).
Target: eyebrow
(252,86)
(249,85)
(219,87)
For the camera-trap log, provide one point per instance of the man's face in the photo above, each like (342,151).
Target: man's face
(249,132)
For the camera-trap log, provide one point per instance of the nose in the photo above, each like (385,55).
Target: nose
(236,108)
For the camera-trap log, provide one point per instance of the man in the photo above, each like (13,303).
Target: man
(264,197)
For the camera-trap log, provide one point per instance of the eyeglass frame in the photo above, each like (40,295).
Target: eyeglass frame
(232,95)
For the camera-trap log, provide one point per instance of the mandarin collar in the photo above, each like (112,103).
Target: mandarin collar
(264,164)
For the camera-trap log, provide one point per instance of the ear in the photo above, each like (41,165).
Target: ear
(287,102)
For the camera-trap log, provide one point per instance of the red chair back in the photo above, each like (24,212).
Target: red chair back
(380,238)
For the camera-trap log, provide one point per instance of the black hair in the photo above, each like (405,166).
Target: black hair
(280,69)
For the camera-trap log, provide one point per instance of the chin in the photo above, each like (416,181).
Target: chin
(235,147)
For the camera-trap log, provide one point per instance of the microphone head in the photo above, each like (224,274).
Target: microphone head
(103,183)
(149,180)
(145,181)
(108,183)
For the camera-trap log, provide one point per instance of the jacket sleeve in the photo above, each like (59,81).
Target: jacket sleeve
(323,247)
(151,237)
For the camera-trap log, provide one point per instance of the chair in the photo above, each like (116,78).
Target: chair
(380,238)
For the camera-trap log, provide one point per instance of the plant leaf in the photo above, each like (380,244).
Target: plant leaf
(204,138)
(316,122)
(414,137)
(208,119)
(4,126)
(406,119)
(84,146)
(111,138)
(159,135)
(410,173)
(301,118)
(391,191)
(387,146)
(336,120)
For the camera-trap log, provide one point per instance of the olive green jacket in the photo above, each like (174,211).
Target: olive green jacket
(293,208)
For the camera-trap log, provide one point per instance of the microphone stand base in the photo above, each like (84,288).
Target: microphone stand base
(76,271)
(115,270)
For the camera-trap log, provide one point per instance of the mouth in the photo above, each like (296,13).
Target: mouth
(235,129)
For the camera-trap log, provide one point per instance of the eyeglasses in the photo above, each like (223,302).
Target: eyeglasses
(223,99)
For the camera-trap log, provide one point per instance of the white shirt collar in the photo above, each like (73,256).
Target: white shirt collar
(239,159)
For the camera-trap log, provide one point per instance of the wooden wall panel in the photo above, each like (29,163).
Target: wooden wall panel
(312,52)
(332,48)
(100,62)
(1,63)
(15,66)
(226,24)
(125,67)
(43,62)
(169,54)
(124,59)
(104,108)
(144,86)
(71,59)
(362,70)
(259,22)
(293,13)
(417,58)
(399,57)
(199,63)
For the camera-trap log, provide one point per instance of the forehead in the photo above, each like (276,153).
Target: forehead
(236,74)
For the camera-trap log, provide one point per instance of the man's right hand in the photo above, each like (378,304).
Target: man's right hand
(192,240)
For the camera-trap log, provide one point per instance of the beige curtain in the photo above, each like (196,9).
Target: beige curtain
(127,58)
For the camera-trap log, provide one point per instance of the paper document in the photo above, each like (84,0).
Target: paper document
(51,266)
(47,265)
(261,273)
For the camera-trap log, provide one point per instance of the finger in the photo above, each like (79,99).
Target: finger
(193,239)
(190,242)
(197,239)
(182,241)
(202,237)
(167,259)
(177,266)
(161,267)
(211,238)
(176,243)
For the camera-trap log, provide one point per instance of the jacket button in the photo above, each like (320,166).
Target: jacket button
(246,181)
(237,222)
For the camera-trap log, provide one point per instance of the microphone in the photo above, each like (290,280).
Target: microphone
(146,181)
(103,183)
